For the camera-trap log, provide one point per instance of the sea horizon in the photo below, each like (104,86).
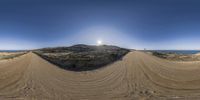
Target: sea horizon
(178,51)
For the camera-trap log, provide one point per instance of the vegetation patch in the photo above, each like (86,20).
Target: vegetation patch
(177,57)
(11,55)
(82,57)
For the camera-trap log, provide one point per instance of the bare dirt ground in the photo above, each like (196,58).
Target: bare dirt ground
(138,76)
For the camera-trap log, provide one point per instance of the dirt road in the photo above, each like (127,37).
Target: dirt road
(137,76)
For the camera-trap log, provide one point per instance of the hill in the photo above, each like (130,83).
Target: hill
(82,57)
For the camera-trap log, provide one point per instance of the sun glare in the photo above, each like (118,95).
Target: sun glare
(99,42)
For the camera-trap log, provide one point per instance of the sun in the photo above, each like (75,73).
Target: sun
(99,42)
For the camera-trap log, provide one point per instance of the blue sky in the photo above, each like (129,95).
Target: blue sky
(138,24)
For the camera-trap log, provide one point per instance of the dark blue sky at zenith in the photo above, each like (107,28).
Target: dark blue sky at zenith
(151,24)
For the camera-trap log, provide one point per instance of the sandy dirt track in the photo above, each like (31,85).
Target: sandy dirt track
(138,76)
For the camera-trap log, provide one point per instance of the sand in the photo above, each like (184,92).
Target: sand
(138,76)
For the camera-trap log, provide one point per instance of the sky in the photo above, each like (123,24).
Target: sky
(136,24)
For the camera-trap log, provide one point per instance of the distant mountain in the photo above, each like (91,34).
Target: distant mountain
(82,48)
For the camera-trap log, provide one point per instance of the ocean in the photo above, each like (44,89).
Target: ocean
(11,50)
(178,51)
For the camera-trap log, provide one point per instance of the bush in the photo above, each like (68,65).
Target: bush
(158,54)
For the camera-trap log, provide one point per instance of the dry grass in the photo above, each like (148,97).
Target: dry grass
(8,55)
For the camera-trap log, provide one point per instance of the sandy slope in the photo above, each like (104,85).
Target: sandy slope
(136,76)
